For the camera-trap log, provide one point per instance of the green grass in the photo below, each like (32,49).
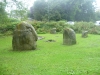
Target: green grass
(52,58)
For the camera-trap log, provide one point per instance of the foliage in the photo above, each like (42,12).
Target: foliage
(86,11)
(78,27)
(97,15)
(75,10)
(45,27)
(8,26)
(38,9)
(95,30)
(3,14)
(83,26)
(20,12)
(52,58)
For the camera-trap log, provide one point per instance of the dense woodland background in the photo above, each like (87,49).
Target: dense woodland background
(70,10)
(46,14)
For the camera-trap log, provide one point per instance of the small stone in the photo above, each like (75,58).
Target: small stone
(85,34)
(53,31)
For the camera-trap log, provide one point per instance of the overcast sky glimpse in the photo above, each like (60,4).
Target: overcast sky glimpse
(29,3)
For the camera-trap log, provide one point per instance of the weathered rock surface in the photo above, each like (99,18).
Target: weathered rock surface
(69,36)
(24,37)
(53,31)
(85,34)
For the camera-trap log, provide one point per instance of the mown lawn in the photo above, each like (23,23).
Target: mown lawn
(52,58)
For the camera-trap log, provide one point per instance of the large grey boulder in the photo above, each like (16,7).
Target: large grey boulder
(69,36)
(24,37)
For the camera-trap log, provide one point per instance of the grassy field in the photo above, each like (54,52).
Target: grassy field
(52,58)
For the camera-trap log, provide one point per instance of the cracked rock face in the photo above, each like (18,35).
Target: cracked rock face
(24,37)
(69,37)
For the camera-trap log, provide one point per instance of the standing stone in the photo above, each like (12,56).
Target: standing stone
(53,31)
(24,37)
(69,36)
(85,34)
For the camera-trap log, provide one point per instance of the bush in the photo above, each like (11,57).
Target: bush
(9,25)
(41,31)
(95,30)
(78,27)
(83,26)
(45,27)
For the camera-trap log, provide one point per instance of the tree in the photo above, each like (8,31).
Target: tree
(86,11)
(20,12)
(97,13)
(38,11)
(3,14)
(76,10)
